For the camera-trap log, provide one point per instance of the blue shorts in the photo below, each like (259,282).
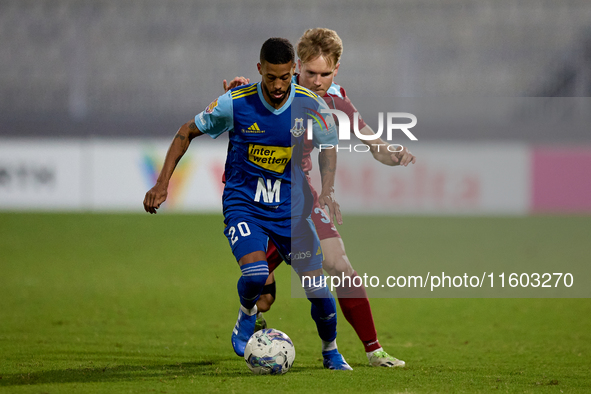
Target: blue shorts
(295,238)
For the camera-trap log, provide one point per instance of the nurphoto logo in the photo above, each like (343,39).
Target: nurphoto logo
(344,128)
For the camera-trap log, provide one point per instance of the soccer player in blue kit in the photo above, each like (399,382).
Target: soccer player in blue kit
(319,51)
(266,196)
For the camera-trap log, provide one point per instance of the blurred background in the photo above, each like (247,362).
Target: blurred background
(92,91)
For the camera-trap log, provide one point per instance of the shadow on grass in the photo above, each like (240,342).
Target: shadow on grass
(109,373)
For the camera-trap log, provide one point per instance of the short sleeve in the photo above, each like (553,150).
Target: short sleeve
(325,134)
(217,118)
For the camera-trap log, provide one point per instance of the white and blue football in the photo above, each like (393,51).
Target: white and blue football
(269,351)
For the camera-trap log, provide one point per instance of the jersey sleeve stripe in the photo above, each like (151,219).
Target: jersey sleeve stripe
(244,90)
(244,95)
(307,94)
(247,87)
(303,89)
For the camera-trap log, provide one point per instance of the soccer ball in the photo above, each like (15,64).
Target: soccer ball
(269,351)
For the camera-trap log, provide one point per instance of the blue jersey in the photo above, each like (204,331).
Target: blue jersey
(263,167)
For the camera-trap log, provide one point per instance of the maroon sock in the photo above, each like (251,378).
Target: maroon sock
(355,306)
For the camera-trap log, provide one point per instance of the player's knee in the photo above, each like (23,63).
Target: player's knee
(264,302)
(337,265)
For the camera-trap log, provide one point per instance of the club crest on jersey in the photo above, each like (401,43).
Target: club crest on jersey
(298,128)
(211,106)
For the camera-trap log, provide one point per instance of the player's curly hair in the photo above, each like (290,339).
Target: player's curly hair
(320,42)
(277,51)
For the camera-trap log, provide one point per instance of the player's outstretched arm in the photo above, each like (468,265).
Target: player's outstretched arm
(327,162)
(379,149)
(238,81)
(157,194)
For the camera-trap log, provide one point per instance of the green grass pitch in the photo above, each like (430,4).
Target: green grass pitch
(129,303)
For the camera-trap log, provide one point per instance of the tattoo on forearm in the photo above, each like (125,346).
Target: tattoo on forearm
(180,136)
(192,128)
(325,165)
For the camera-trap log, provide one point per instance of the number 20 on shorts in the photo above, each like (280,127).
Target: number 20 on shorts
(242,228)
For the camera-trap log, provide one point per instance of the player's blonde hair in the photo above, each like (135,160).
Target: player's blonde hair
(320,42)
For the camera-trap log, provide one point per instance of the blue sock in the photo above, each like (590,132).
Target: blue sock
(324,310)
(251,283)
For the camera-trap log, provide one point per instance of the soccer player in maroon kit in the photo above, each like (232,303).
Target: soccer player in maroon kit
(319,51)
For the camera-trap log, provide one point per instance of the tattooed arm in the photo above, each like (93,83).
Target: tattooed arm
(327,162)
(157,195)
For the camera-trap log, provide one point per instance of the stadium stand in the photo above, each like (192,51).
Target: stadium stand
(139,67)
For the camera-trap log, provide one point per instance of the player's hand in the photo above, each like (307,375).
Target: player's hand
(155,197)
(395,156)
(405,157)
(328,202)
(238,81)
